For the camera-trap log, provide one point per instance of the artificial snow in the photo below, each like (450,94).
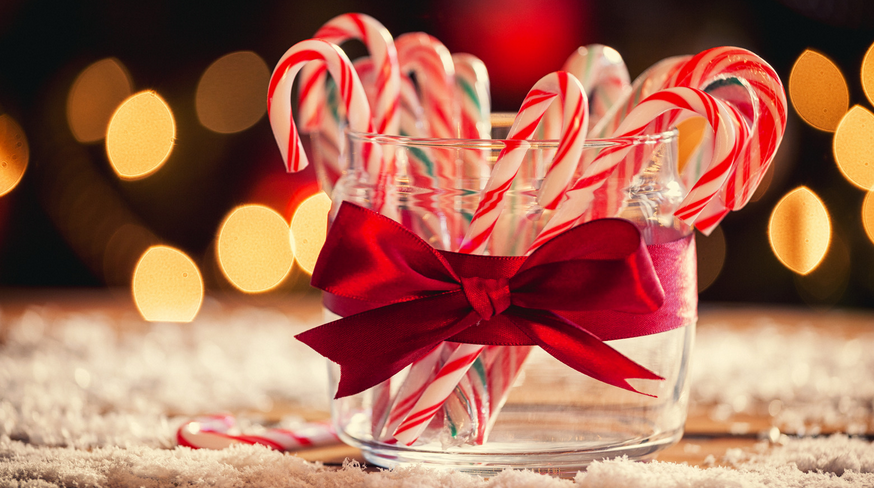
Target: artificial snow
(84,405)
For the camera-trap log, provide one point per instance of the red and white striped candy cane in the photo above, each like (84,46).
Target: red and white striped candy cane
(380,45)
(420,374)
(431,400)
(650,81)
(213,432)
(472,95)
(574,122)
(766,115)
(279,95)
(431,62)
(472,92)
(727,142)
(554,85)
(603,74)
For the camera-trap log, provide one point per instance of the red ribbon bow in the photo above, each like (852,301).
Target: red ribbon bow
(401,297)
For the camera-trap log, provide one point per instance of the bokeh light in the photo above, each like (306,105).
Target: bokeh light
(818,91)
(96,93)
(853,143)
(691,132)
(14,153)
(167,286)
(231,93)
(825,285)
(309,226)
(711,257)
(800,230)
(868,215)
(253,249)
(140,135)
(867,73)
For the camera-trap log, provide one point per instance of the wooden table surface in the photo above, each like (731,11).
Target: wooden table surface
(705,440)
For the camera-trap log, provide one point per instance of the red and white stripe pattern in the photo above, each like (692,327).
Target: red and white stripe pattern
(555,85)
(384,58)
(503,365)
(728,141)
(472,93)
(603,74)
(431,62)
(214,432)
(279,97)
(559,85)
(435,393)
(766,115)
(421,373)
(650,81)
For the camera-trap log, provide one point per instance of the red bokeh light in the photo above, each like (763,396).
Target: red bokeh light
(519,41)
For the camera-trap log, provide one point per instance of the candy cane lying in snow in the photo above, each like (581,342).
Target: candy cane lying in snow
(554,85)
(212,432)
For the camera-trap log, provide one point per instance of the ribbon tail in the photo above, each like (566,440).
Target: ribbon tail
(580,349)
(372,346)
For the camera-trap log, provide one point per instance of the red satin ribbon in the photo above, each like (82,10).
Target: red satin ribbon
(401,297)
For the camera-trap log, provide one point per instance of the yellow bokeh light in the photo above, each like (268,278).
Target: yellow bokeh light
(140,135)
(868,215)
(308,229)
(818,91)
(167,286)
(691,132)
(231,93)
(826,284)
(852,147)
(867,73)
(94,96)
(14,154)
(253,249)
(800,230)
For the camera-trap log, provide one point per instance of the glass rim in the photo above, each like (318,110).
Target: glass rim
(505,120)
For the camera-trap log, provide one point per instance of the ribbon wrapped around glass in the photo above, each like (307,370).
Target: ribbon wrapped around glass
(515,290)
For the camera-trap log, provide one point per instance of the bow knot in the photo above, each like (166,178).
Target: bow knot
(400,297)
(489,297)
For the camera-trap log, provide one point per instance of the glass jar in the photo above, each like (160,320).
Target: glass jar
(541,415)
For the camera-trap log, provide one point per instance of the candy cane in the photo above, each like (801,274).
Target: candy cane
(650,81)
(436,392)
(727,144)
(747,83)
(574,122)
(604,75)
(431,62)
(421,373)
(766,116)
(568,89)
(212,432)
(472,95)
(279,108)
(379,43)
(472,90)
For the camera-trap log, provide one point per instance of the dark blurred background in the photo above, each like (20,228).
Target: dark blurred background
(54,227)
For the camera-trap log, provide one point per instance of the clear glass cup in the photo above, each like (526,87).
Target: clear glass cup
(549,418)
